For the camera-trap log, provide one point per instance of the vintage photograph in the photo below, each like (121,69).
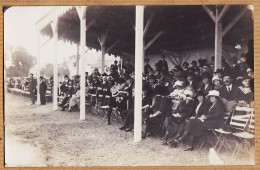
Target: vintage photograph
(129,85)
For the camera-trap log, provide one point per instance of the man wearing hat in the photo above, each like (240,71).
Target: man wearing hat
(147,66)
(163,64)
(229,91)
(43,88)
(32,88)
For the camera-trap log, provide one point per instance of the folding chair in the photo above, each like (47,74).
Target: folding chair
(244,124)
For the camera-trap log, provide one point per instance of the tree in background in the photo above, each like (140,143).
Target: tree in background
(20,61)
(62,69)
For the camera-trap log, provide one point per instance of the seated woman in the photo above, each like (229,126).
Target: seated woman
(217,82)
(211,118)
(155,121)
(176,122)
(75,99)
(177,93)
(245,95)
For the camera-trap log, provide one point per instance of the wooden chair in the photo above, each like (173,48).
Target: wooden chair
(245,129)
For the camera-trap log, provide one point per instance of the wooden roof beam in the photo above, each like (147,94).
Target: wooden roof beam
(147,26)
(234,21)
(153,40)
(112,46)
(223,13)
(210,13)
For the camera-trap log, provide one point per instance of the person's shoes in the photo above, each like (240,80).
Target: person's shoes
(144,135)
(128,129)
(164,138)
(164,143)
(63,109)
(108,123)
(189,149)
(69,110)
(122,128)
(173,143)
(32,104)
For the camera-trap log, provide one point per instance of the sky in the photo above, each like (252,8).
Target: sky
(20,30)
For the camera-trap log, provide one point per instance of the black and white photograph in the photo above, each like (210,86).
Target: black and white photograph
(131,86)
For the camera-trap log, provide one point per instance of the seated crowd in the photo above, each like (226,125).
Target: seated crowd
(178,104)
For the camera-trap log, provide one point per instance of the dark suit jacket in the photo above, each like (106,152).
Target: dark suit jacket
(184,109)
(43,87)
(206,91)
(32,85)
(232,95)
(162,64)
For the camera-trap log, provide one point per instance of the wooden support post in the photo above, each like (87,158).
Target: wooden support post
(218,44)
(38,67)
(77,60)
(103,52)
(54,26)
(139,45)
(82,16)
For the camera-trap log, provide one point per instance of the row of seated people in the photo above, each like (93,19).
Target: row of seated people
(181,104)
(174,103)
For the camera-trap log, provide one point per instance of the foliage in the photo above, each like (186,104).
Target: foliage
(21,61)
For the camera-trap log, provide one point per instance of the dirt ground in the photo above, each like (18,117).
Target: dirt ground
(37,136)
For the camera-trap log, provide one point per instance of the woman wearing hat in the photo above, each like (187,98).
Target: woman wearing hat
(245,95)
(160,109)
(206,84)
(177,93)
(217,82)
(176,122)
(211,118)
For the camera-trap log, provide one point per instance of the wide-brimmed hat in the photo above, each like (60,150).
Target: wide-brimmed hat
(245,77)
(178,83)
(200,93)
(30,73)
(185,63)
(216,77)
(205,75)
(213,93)
(194,62)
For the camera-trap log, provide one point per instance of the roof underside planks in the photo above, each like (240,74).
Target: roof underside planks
(184,27)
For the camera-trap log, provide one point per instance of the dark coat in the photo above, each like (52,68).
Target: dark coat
(204,107)
(184,109)
(232,95)
(162,64)
(32,85)
(206,91)
(43,87)
(214,120)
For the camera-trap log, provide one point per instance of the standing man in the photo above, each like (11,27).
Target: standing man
(32,88)
(43,88)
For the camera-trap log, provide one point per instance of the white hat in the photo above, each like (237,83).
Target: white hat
(216,77)
(213,93)
(188,92)
(178,83)
(248,70)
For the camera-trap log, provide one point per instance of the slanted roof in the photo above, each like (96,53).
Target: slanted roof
(184,27)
